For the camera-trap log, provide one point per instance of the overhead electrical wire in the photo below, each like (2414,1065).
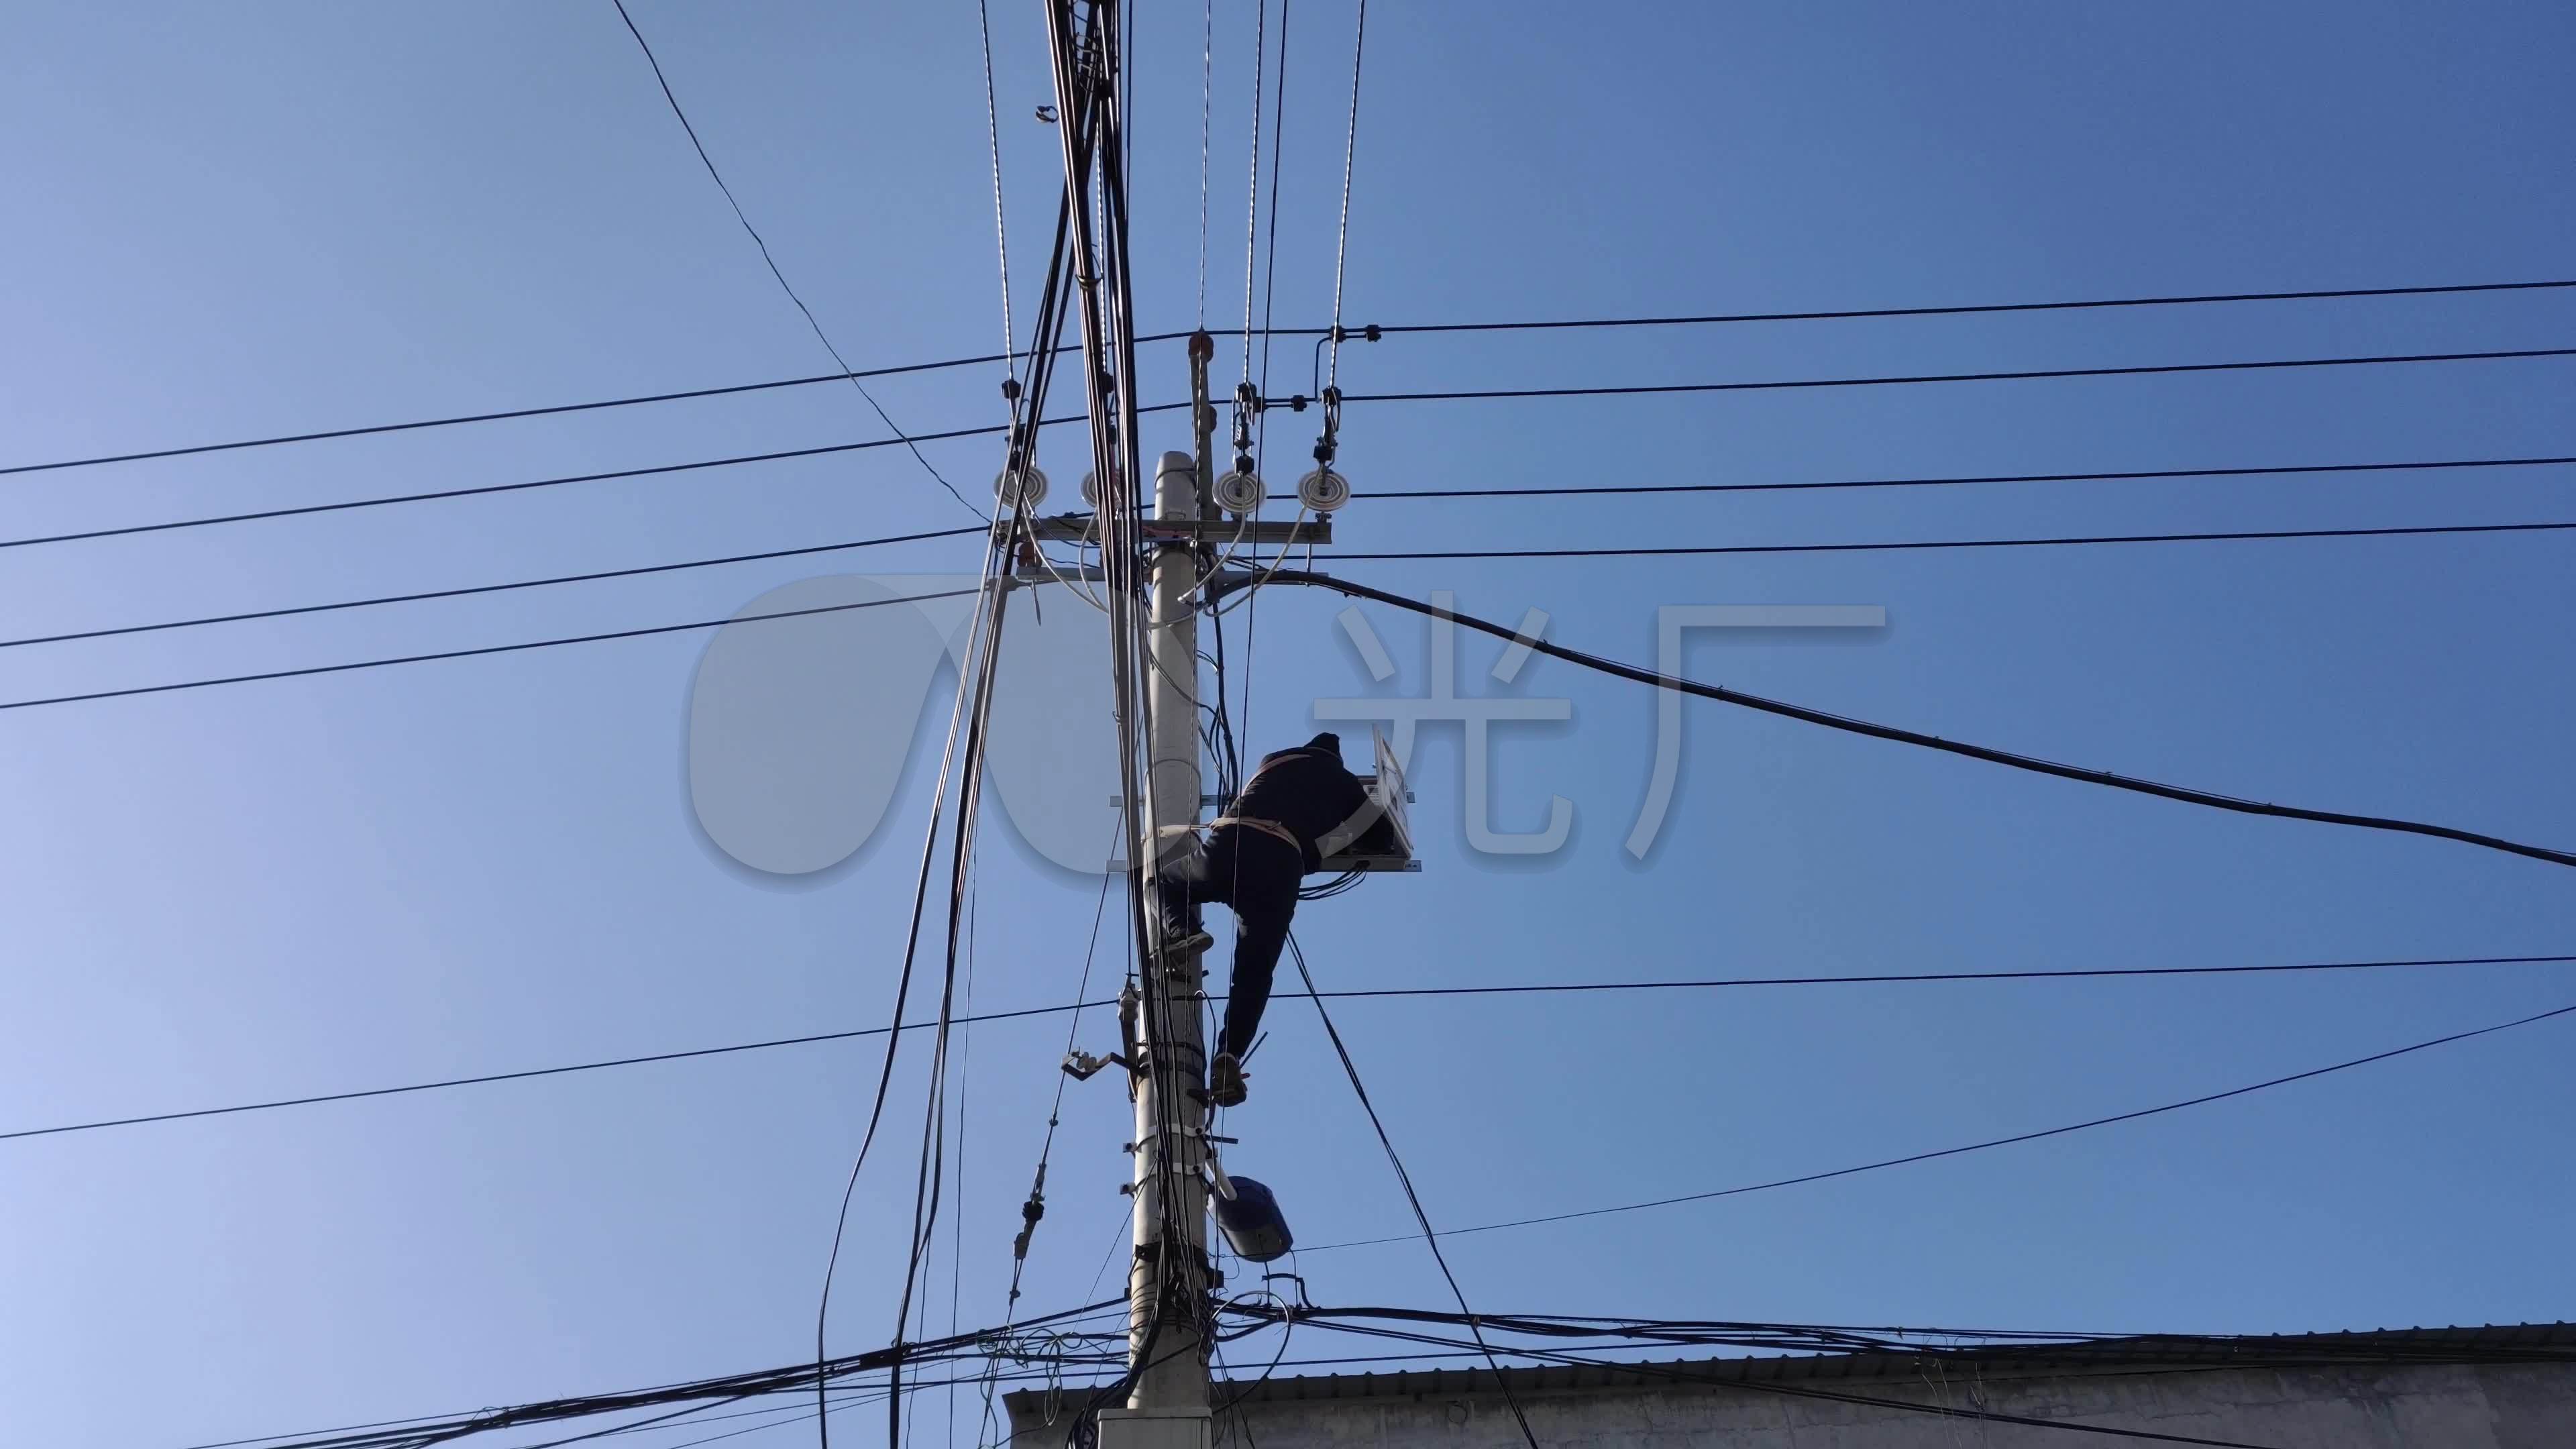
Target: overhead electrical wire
(2272,535)
(784,285)
(1001,233)
(1925,1343)
(2184,794)
(1992,1142)
(1342,232)
(2158,369)
(991,598)
(984,651)
(1087,62)
(1977,309)
(710,1393)
(1930,1343)
(1033,1207)
(485,489)
(2138,474)
(1207,121)
(733,389)
(1252,195)
(1354,994)
(1782,1389)
(1278,148)
(345,505)
(473,589)
(310,670)
(1404,1180)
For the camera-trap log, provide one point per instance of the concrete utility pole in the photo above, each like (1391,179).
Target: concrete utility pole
(1168,1281)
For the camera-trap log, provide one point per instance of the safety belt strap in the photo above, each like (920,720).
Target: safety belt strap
(1266,827)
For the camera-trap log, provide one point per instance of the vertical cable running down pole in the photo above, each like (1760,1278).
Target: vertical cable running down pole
(1167,1375)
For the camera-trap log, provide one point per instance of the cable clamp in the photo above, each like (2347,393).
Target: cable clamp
(1082,1065)
(1329,441)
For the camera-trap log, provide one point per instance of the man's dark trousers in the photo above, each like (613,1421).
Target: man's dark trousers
(1256,874)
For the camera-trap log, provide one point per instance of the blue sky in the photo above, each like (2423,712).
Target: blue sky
(233,221)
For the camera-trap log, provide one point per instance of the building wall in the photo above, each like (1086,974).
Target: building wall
(2521,1406)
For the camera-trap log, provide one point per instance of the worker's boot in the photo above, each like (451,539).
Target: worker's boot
(1186,948)
(1225,1080)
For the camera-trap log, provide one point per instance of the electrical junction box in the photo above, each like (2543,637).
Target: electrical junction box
(1387,844)
(1125,1428)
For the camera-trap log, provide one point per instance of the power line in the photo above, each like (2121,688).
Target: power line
(313,669)
(2263,471)
(625,573)
(1848,725)
(1001,233)
(1654,551)
(2069,974)
(772,262)
(481,490)
(1777,385)
(1777,1387)
(2187,299)
(708,1393)
(741,459)
(782,455)
(1991,1142)
(407,1088)
(1922,545)
(505,415)
(1711,983)
(1404,1179)
(728,390)
(1342,233)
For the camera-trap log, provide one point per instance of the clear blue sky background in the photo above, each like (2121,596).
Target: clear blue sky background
(234,220)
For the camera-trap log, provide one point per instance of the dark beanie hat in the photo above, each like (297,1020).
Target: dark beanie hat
(1327,742)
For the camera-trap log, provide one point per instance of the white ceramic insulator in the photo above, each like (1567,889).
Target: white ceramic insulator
(1024,488)
(1239,492)
(1323,490)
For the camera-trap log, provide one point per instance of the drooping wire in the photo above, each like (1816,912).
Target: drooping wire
(1342,233)
(1430,1235)
(1390,992)
(1033,1208)
(1994,1142)
(772,262)
(1679,1373)
(988,610)
(1872,730)
(966,1064)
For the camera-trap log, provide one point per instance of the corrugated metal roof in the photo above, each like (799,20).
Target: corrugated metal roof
(2534,1342)
(2541,1342)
